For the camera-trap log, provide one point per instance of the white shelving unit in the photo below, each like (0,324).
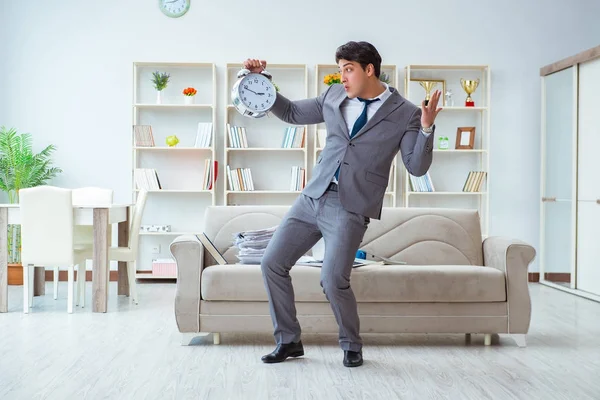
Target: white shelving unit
(322,70)
(451,167)
(182,198)
(270,163)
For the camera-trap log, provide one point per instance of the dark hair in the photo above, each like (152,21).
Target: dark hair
(363,53)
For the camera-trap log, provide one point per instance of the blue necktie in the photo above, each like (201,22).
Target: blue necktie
(360,122)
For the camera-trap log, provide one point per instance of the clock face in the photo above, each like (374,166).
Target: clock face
(174,8)
(257,92)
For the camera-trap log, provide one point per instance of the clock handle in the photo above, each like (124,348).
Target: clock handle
(267,74)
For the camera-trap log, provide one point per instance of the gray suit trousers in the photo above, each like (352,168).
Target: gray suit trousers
(303,226)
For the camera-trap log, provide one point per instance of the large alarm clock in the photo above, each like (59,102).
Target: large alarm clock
(253,94)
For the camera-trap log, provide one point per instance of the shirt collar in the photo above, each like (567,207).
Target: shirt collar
(383,96)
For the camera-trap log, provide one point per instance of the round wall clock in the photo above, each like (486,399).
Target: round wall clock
(174,8)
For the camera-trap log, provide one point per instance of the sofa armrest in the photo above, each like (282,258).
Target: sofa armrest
(513,258)
(188,252)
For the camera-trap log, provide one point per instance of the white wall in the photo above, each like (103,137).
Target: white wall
(67,72)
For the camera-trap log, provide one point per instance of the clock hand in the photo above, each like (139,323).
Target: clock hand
(251,90)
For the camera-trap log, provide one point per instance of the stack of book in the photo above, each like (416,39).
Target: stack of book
(147,178)
(298,180)
(474,181)
(204,135)
(211,171)
(239,179)
(143,136)
(237,137)
(293,137)
(421,183)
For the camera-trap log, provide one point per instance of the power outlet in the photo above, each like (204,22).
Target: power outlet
(156,249)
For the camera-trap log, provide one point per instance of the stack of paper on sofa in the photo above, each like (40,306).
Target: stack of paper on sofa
(252,244)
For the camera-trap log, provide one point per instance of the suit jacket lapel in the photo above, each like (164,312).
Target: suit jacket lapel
(393,102)
(339,116)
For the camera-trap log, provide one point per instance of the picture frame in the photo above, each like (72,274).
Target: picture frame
(422,91)
(465,138)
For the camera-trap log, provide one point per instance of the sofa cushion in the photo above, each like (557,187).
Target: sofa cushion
(371,283)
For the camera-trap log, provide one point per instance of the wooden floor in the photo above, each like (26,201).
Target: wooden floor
(134,352)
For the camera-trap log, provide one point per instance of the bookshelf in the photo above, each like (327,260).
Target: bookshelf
(320,132)
(185,171)
(448,184)
(265,160)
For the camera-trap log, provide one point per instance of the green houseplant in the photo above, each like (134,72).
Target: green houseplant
(160,81)
(21,168)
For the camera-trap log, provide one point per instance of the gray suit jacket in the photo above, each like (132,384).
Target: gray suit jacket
(365,159)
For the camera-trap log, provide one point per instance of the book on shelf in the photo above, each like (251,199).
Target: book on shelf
(143,136)
(211,172)
(146,178)
(421,183)
(298,180)
(237,136)
(204,135)
(474,181)
(293,138)
(239,179)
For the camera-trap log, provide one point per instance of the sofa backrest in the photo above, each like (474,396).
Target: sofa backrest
(426,236)
(417,236)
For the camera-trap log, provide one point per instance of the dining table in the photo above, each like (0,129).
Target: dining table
(102,218)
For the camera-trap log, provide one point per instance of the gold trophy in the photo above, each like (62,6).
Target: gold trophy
(469,86)
(427,85)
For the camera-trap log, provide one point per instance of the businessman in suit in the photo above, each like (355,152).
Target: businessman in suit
(367,123)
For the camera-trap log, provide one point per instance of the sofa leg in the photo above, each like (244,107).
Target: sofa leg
(487,339)
(216,338)
(520,339)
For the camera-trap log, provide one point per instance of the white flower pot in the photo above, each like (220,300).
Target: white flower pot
(189,99)
(159,97)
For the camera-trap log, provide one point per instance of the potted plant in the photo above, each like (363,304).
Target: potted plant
(189,94)
(160,81)
(20,168)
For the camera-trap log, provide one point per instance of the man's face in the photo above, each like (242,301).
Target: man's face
(354,77)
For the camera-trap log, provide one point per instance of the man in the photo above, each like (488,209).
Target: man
(367,124)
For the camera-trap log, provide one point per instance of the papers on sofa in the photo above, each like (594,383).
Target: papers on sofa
(358,262)
(252,244)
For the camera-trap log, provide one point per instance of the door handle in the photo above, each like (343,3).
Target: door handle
(597,201)
(551,199)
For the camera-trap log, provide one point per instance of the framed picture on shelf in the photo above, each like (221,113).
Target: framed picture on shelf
(465,137)
(432,85)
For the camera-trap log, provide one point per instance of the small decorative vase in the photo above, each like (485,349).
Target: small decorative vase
(189,99)
(159,97)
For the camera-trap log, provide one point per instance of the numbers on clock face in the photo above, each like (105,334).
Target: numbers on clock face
(256,92)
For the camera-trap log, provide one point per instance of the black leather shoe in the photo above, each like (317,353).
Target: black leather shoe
(283,351)
(352,358)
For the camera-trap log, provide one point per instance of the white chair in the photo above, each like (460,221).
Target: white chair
(84,234)
(46,236)
(128,254)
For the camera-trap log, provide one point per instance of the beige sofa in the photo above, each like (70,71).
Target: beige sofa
(453,282)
